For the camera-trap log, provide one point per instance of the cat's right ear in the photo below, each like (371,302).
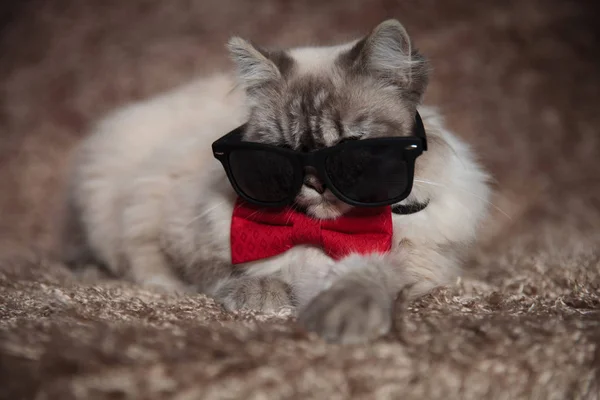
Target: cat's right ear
(256,68)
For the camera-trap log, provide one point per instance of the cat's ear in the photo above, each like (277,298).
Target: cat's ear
(256,68)
(388,52)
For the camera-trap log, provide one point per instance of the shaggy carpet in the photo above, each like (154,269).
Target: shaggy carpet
(518,79)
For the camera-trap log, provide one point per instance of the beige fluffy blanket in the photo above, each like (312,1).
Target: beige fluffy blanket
(519,79)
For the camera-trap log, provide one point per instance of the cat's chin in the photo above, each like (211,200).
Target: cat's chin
(321,206)
(326,210)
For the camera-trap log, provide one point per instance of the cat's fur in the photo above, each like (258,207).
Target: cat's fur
(148,201)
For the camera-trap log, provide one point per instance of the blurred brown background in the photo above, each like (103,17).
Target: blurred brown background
(519,79)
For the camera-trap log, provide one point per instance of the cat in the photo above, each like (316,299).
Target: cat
(148,201)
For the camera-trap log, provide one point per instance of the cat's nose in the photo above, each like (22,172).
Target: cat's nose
(314,183)
(311,180)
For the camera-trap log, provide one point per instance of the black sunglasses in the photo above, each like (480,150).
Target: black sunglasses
(364,173)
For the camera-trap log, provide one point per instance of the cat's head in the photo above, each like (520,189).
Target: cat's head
(315,97)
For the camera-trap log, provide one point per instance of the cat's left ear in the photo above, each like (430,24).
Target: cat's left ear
(387,52)
(257,68)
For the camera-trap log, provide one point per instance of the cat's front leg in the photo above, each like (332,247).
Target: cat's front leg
(254,293)
(357,305)
(350,311)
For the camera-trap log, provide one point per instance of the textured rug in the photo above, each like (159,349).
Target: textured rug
(518,79)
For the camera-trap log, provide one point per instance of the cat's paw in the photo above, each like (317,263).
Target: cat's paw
(260,294)
(347,313)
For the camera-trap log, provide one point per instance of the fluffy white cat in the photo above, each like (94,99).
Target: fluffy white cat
(149,202)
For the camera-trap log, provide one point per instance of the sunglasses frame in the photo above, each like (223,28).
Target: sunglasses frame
(412,147)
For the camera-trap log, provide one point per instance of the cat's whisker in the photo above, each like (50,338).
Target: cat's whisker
(468,192)
(289,214)
(205,212)
(258,211)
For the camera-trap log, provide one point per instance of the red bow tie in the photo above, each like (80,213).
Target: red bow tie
(258,233)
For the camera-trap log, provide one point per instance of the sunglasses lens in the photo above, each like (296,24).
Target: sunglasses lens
(369,174)
(262,175)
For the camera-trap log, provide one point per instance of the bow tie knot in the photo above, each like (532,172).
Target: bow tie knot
(308,232)
(258,233)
